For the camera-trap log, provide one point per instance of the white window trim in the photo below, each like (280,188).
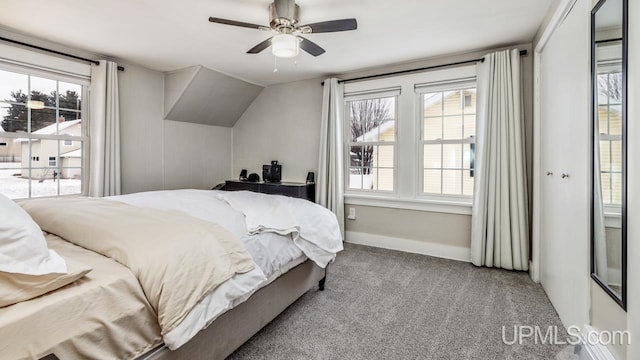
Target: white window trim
(407,166)
(364,95)
(29,63)
(445,205)
(420,90)
(18,58)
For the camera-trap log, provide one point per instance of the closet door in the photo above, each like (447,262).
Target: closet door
(564,161)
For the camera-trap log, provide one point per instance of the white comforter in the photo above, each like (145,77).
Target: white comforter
(268,240)
(314,229)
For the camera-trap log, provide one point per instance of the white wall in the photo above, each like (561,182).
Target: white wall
(158,154)
(141,129)
(282,123)
(195,156)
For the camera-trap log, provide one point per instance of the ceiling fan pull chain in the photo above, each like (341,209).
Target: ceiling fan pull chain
(275,64)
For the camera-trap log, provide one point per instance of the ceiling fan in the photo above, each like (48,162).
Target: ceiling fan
(284,16)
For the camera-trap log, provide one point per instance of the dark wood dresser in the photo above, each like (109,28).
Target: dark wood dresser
(297,190)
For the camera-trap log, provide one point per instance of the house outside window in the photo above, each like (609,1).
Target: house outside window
(448,139)
(41,118)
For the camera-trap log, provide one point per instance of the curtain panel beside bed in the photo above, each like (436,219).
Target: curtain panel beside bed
(104,174)
(330,184)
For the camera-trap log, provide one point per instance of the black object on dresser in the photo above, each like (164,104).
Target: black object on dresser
(297,190)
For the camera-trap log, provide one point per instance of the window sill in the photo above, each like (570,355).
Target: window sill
(441,206)
(612,220)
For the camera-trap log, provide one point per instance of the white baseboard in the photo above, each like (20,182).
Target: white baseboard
(534,274)
(409,245)
(591,351)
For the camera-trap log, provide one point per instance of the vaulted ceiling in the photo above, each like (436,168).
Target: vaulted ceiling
(167,34)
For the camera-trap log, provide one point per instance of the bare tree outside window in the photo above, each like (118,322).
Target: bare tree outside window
(611,87)
(366,117)
(371,146)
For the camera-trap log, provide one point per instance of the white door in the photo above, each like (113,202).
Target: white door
(564,149)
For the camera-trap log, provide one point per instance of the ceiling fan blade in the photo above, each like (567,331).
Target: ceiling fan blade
(235,23)
(258,48)
(311,47)
(333,26)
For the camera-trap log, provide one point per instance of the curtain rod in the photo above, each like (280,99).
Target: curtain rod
(522,53)
(121,68)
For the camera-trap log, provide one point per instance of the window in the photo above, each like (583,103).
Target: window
(409,140)
(371,145)
(448,140)
(41,114)
(610,130)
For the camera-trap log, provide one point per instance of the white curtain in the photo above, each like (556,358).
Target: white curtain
(599,230)
(329,182)
(500,233)
(104,129)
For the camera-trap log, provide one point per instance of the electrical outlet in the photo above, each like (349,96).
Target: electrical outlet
(352,214)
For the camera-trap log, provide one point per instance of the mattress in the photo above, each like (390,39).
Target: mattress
(103,315)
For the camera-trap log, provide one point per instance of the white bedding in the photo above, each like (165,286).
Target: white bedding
(314,229)
(274,254)
(269,250)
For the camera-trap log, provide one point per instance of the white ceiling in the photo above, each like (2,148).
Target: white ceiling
(168,34)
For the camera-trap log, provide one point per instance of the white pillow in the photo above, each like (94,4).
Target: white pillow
(23,249)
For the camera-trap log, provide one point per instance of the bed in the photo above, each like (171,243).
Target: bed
(128,313)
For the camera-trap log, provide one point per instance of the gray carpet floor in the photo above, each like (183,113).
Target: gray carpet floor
(383,304)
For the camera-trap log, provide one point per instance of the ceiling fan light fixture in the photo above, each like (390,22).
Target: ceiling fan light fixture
(285,46)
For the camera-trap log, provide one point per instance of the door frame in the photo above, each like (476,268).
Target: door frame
(560,13)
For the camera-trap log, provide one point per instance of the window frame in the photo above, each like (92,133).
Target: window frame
(367,95)
(407,142)
(58,77)
(420,90)
(611,64)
